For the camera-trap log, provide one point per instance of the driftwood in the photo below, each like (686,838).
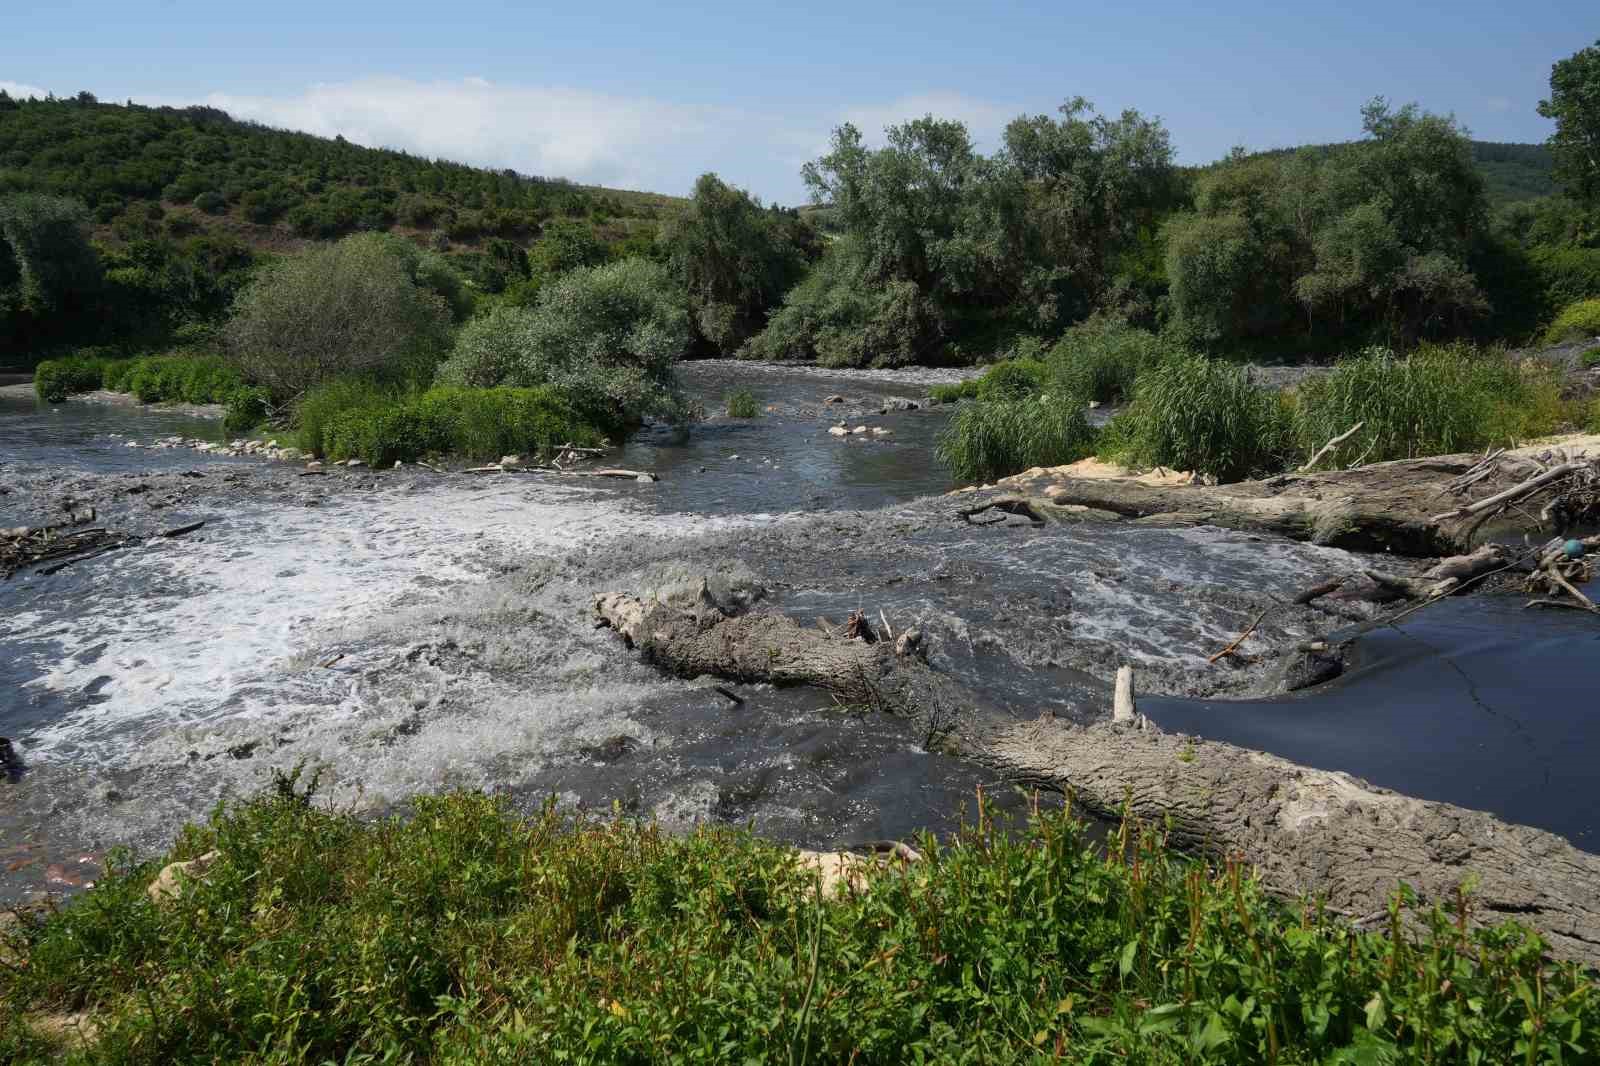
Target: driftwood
(1332,445)
(1391,506)
(1309,832)
(1038,510)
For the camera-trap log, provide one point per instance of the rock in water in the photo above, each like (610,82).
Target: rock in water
(10,761)
(838,431)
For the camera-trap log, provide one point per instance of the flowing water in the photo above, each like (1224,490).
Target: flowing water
(408,630)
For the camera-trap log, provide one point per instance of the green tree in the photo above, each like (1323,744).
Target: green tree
(734,259)
(1093,184)
(47,262)
(348,308)
(1574,105)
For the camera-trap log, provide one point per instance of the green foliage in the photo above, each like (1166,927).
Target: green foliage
(607,337)
(998,436)
(1193,413)
(467,934)
(1590,359)
(1578,321)
(47,257)
(1438,399)
(247,408)
(1574,104)
(352,420)
(56,379)
(840,317)
(1362,240)
(1103,359)
(742,404)
(113,156)
(565,245)
(735,260)
(350,308)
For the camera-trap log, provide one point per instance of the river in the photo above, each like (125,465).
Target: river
(409,630)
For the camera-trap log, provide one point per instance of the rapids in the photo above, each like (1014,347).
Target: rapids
(406,630)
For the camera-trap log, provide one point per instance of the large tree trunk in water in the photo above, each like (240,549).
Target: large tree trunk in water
(1308,831)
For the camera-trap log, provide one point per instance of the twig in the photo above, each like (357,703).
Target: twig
(1588,604)
(58,567)
(729,693)
(1251,628)
(1331,446)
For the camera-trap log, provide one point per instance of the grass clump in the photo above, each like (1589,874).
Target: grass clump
(1438,399)
(996,437)
(467,934)
(742,403)
(381,425)
(1193,413)
(1103,360)
(1577,321)
(1590,359)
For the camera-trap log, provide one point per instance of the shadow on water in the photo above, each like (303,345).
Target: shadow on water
(1474,701)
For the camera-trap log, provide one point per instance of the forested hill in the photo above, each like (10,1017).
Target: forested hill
(1512,173)
(141,168)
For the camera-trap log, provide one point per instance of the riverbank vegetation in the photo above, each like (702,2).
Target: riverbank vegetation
(1078,251)
(466,933)
(1187,411)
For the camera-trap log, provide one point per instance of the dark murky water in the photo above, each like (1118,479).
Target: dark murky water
(414,631)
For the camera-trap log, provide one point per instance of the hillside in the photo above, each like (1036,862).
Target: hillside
(1512,173)
(144,170)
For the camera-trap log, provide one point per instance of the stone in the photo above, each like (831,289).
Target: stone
(354,462)
(398,464)
(647,479)
(835,398)
(511,462)
(291,454)
(858,431)
(879,431)
(838,431)
(314,466)
(840,871)
(168,884)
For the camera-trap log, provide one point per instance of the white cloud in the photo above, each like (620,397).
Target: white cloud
(574,133)
(21,92)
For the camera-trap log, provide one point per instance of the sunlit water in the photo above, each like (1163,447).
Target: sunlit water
(413,631)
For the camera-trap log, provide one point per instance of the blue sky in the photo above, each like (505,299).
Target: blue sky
(648,95)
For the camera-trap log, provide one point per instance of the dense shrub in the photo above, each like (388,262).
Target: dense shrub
(468,934)
(56,379)
(1579,321)
(840,316)
(1439,399)
(352,307)
(379,427)
(607,337)
(1103,359)
(995,437)
(247,408)
(1192,413)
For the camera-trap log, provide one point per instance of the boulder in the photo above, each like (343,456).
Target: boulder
(858,431)
(838,431)
(168,884)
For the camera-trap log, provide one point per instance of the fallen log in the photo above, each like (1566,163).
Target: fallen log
(1038,510)
(1516,492)
(1309,832)
(1314,832)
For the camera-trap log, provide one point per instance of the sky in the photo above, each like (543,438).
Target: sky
(644,95)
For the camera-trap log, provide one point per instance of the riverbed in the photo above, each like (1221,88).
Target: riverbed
(410,630)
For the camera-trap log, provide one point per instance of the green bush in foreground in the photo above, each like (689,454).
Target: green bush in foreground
(742,403)
(466,934)
(380,425)
(1578,321)
(993,438)
(1198,414)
